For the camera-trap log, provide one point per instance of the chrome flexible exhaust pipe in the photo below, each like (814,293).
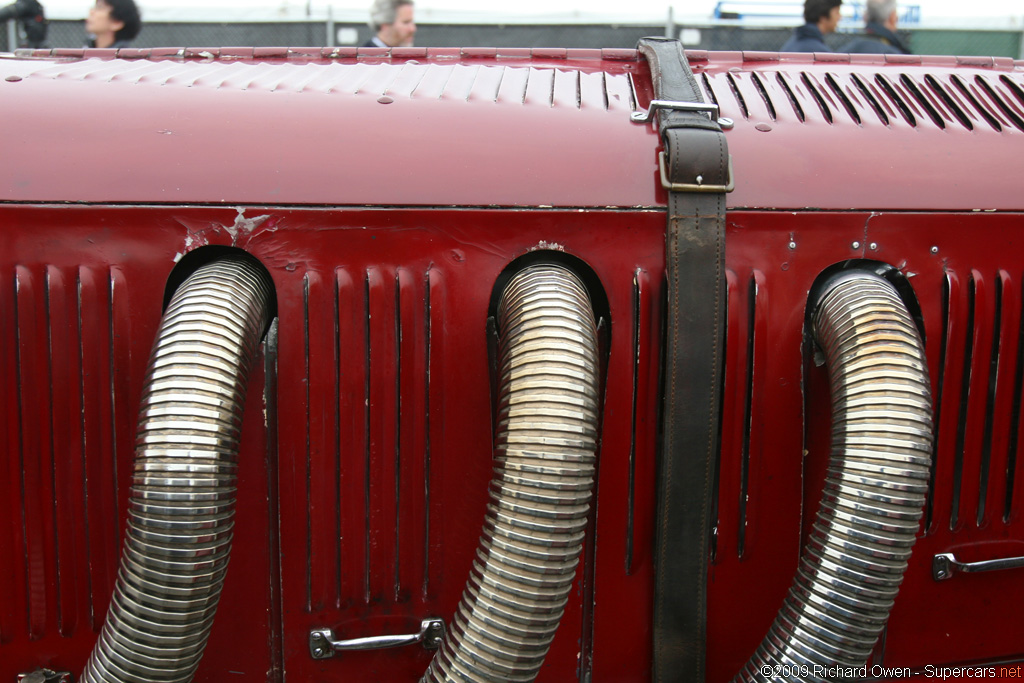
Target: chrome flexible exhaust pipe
(183,488)
(544,467)
(854,561)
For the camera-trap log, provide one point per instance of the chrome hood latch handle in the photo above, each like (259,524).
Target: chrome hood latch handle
(945,565)
(323,645)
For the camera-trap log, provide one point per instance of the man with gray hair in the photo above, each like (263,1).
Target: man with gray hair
(879,36)
(393,22)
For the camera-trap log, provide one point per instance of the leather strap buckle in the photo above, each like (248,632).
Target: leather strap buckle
(655,105)
(697,186)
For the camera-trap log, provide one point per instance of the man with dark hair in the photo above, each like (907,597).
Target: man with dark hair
(822,17)
(879,37)
(113,23)
(30,17)
(393,22)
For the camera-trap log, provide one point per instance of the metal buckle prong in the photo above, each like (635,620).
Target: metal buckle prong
(655,105)
(697,186)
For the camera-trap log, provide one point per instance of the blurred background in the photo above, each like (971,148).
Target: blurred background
(941,27)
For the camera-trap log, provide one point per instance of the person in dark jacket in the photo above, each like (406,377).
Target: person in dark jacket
(393,22)
(113,23)
(30,16)
(880,31)
(822,17)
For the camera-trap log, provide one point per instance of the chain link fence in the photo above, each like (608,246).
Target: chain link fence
(723,35)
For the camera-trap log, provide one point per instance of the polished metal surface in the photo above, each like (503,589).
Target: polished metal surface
(183,490)
(945,565)
(323,644)
(854,561)
(543,479)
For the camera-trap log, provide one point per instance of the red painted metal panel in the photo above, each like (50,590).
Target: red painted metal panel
(735,391)
(323,457)
(351,334)
(66,411)
(1003,400)
(520,119)
(412,309)
(411,485)
(36,451)
(553,120)
(967,469)
(762,502)
(383,377)
(827,131)
(382,448)
(13,609)
(244,645)
(946,400)
(436,336)
(102,510)
(975,619)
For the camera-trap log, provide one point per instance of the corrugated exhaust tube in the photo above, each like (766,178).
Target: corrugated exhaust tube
(183,485)
(854,561)
(544,466)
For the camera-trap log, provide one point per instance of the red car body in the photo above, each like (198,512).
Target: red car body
(386,194)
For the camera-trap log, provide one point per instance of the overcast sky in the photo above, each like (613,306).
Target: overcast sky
(990,12)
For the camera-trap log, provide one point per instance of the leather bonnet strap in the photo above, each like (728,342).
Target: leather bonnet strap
(697,175)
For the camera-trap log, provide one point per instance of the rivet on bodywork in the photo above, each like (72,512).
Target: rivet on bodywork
(935,250)
(855,245)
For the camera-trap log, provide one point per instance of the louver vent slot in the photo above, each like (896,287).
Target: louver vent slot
(923,101)
(759,85)
(866,90)
(484,82)
(747,347)
(63,376)
(367,340)
(815,91)
(978,403)
(1014,88)
(739,96)
(709,92)
(646,328)
(901,104)
(985,112)
(841,96)
(950,101)
(797,109)
(1016,117)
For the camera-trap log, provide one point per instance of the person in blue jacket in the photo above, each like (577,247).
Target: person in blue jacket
(880,31)
(822,17)
(113,23)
